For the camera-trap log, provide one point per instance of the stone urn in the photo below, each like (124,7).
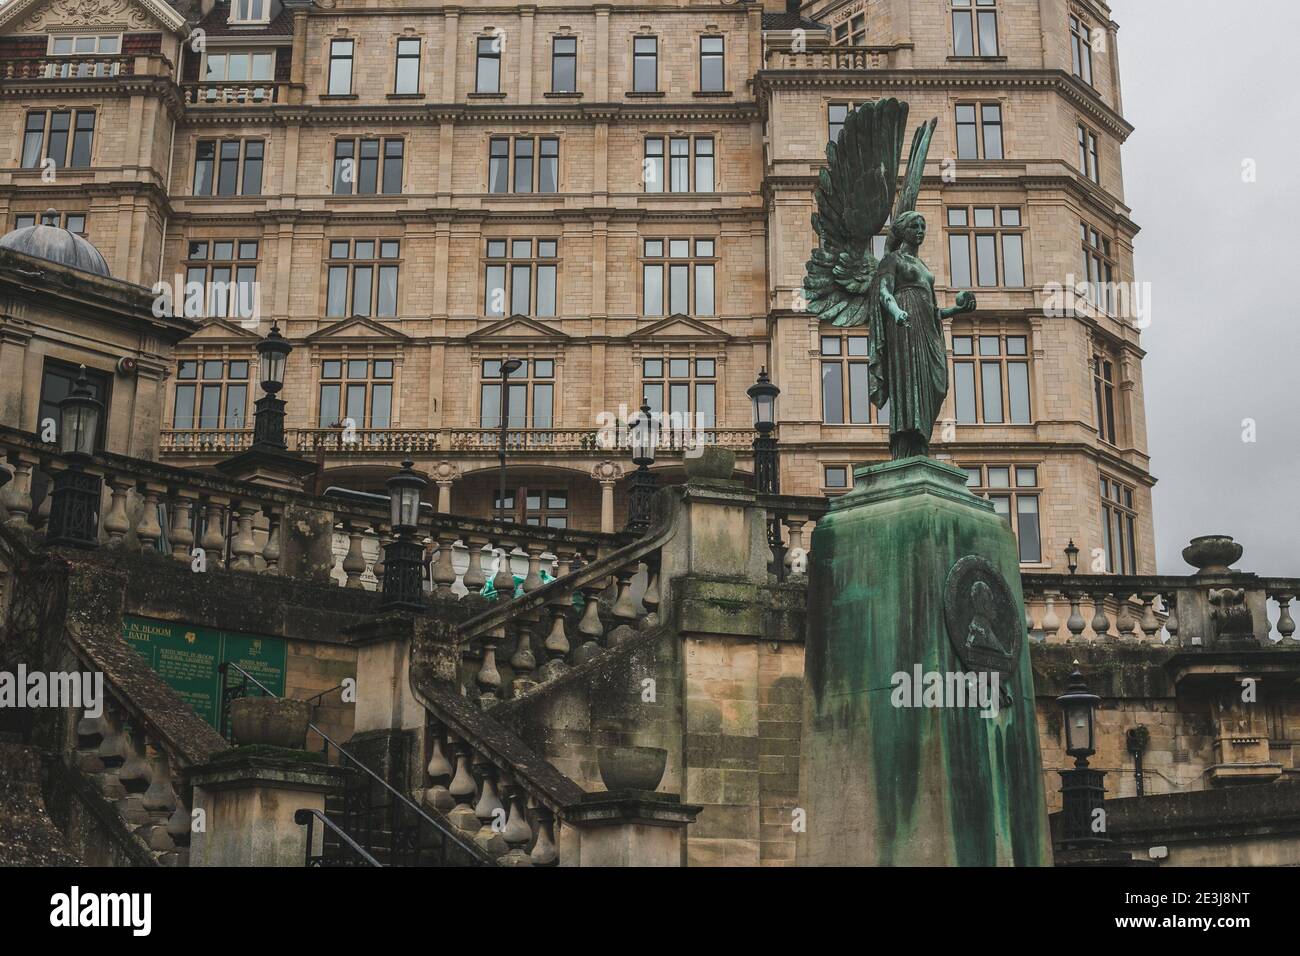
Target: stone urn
(1212,553)
(270,721)
(631,768)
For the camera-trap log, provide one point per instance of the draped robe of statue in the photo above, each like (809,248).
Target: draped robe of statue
(907,364)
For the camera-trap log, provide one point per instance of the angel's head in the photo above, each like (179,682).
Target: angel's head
(907,230)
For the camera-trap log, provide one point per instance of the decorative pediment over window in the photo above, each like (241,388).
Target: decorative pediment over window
(517,328)
(680,328)
(222,330)
(357,328)
(32,16)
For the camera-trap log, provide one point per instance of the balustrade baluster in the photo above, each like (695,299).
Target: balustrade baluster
(474,577)
(214,535)
(440,772)
(489,810)
(444,571)
(1100,624)
(523,661)
(1075,623)
(533,580)
(182,533)
(651,598)
(271,550)
(557,641)
(1125,620)
(1051,623)
(1149,624)
(354,562)
(1171,619)
(116,522)
(148,530)
(159,800)
(463,790)
(1285,623)
(503,582)
(516,833)
(544,852)
(590,625)
(796,557)
(243,545)
(17,494)
(488,677)
(624,606)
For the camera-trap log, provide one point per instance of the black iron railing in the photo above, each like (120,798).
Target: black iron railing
(306,817)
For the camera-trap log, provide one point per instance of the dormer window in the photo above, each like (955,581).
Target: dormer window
(250,11)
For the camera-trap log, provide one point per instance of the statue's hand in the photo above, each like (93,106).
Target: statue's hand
(966,301)
(901,317)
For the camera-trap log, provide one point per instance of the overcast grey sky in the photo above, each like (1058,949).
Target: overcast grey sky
(1209,86)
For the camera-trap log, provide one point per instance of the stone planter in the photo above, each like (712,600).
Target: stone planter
(270,721)
(631,768)
(712,464)
(1212,553)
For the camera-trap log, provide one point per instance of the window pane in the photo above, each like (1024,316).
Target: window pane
(986,260)
(654,289)
(991,391)
(1031,549)
(494,300)
(704,290)
(490,406)
(523,165)
(1013,263)
(337,296)
(543,401)
(1018,387)
(204,156)
(678,277)
(679,368)
(184,417)
(521,290)
(705,404)
(252,184)
(362,280)
(489,66)
(548,170)
(499,166)
(859,402)
(832,393)
(387,290)
(959,253)
(963,42)
(209,408)
(992,132)
(964,392)
(988,24)
(393,152)
(381,406)
(704,165)
(236,397)
(546,290)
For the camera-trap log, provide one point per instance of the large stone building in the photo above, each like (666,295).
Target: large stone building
(618,195)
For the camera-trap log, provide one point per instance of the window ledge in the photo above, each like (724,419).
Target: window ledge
(405,96)
(977,59)
(552,95)
(338,96)
(486,96)
(646,94)
(713,94)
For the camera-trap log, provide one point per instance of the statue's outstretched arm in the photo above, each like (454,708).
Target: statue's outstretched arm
(965,304)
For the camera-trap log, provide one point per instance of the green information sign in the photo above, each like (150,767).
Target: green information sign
(186,657)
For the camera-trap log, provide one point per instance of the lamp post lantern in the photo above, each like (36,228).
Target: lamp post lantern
(642,433)
(1083,792)
(508,368)
(75,495)
(403,556)
(1071,557)
(767,474)
(268,416)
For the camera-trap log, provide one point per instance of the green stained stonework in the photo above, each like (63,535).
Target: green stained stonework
(911,786)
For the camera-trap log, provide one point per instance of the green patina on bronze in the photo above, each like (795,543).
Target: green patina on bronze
(892,296)
(889,785)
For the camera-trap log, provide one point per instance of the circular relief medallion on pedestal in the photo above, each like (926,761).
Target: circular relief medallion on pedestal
(984,624)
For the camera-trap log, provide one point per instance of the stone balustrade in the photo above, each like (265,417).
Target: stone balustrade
(231,93)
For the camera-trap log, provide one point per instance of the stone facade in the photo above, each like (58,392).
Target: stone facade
(768,124)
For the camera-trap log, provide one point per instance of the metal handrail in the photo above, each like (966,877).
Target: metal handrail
(471,848)
(303,817)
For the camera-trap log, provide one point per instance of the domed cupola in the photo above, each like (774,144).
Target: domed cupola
(47,240)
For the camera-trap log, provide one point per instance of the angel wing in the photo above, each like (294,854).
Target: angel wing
(915,168)
(855,194)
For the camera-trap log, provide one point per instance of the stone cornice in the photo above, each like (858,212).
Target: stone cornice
(1082,97)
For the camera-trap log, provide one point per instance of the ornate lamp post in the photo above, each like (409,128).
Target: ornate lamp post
(1082,789)
(74,504)
(403,555)
(268,417)
(767,475)
(1072,557)
(642,480)
(508,368)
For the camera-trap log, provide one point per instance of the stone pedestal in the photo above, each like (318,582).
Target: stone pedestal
(630,828)
(915,583)
(249,796)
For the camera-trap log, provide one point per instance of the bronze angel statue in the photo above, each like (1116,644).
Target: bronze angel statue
(893,296)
